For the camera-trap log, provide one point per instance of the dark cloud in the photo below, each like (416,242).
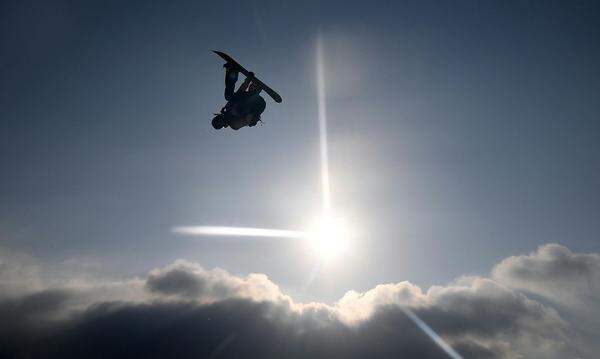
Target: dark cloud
(231,328)
(35,309)
(193,312)
(178,282)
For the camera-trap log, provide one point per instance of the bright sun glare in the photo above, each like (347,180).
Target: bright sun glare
(328,237)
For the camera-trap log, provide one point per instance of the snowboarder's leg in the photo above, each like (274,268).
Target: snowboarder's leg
(231,76)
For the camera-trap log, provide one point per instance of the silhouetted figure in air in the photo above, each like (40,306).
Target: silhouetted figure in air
(244,106)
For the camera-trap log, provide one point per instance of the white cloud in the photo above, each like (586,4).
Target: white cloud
(566,280)
(555,272)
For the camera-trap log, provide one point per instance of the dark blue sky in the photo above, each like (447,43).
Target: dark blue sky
(460,133)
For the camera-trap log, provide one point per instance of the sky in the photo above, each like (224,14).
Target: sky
(463,154)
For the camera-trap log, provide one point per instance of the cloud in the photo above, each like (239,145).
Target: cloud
(185,280)
(554,272)
(475,313)
(184,310)
(19,273)
(568,281)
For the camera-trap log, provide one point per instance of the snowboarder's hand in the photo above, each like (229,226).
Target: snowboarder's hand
(251,75)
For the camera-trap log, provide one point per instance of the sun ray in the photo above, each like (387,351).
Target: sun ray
(323,143)
(237,231)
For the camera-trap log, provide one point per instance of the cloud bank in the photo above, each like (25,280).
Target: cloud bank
(528,307)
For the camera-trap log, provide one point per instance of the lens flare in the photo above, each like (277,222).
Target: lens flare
(322,111)
(329,237)
(431,333)
(236,231)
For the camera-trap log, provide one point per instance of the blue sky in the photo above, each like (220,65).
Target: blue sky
(460,133)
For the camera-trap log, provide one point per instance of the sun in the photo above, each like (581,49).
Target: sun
(329,237)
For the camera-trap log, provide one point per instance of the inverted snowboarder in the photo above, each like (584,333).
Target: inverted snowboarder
(244,105)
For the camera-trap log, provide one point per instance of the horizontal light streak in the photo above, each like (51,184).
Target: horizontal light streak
(237,231)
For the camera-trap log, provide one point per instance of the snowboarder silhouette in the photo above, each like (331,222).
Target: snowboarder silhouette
(244,106)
